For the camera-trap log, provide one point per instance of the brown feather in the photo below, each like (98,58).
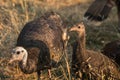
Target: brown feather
(99,10)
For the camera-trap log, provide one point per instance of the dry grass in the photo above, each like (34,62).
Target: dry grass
(15,13)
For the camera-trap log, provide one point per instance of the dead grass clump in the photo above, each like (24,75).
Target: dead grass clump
(15,13)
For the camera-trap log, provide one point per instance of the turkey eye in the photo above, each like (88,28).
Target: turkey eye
(18,52)
(78,26)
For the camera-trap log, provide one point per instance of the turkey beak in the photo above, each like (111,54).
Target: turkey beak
(71,29)
(11,60)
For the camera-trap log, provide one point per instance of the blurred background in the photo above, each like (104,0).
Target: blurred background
(14,14)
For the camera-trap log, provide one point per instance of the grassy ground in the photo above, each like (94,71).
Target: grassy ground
(15,13)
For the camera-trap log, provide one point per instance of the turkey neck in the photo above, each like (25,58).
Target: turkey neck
(24,60)
(81,45)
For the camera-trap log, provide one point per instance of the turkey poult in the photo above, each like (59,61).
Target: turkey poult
(112,50)
(100,9)
(40,44)
(88,64)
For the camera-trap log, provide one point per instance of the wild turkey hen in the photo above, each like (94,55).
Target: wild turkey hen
(39,44)
(88,64)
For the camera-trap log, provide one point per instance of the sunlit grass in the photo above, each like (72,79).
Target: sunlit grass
(14,14)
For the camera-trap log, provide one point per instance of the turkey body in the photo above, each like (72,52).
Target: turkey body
(47,29)
(112,50)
